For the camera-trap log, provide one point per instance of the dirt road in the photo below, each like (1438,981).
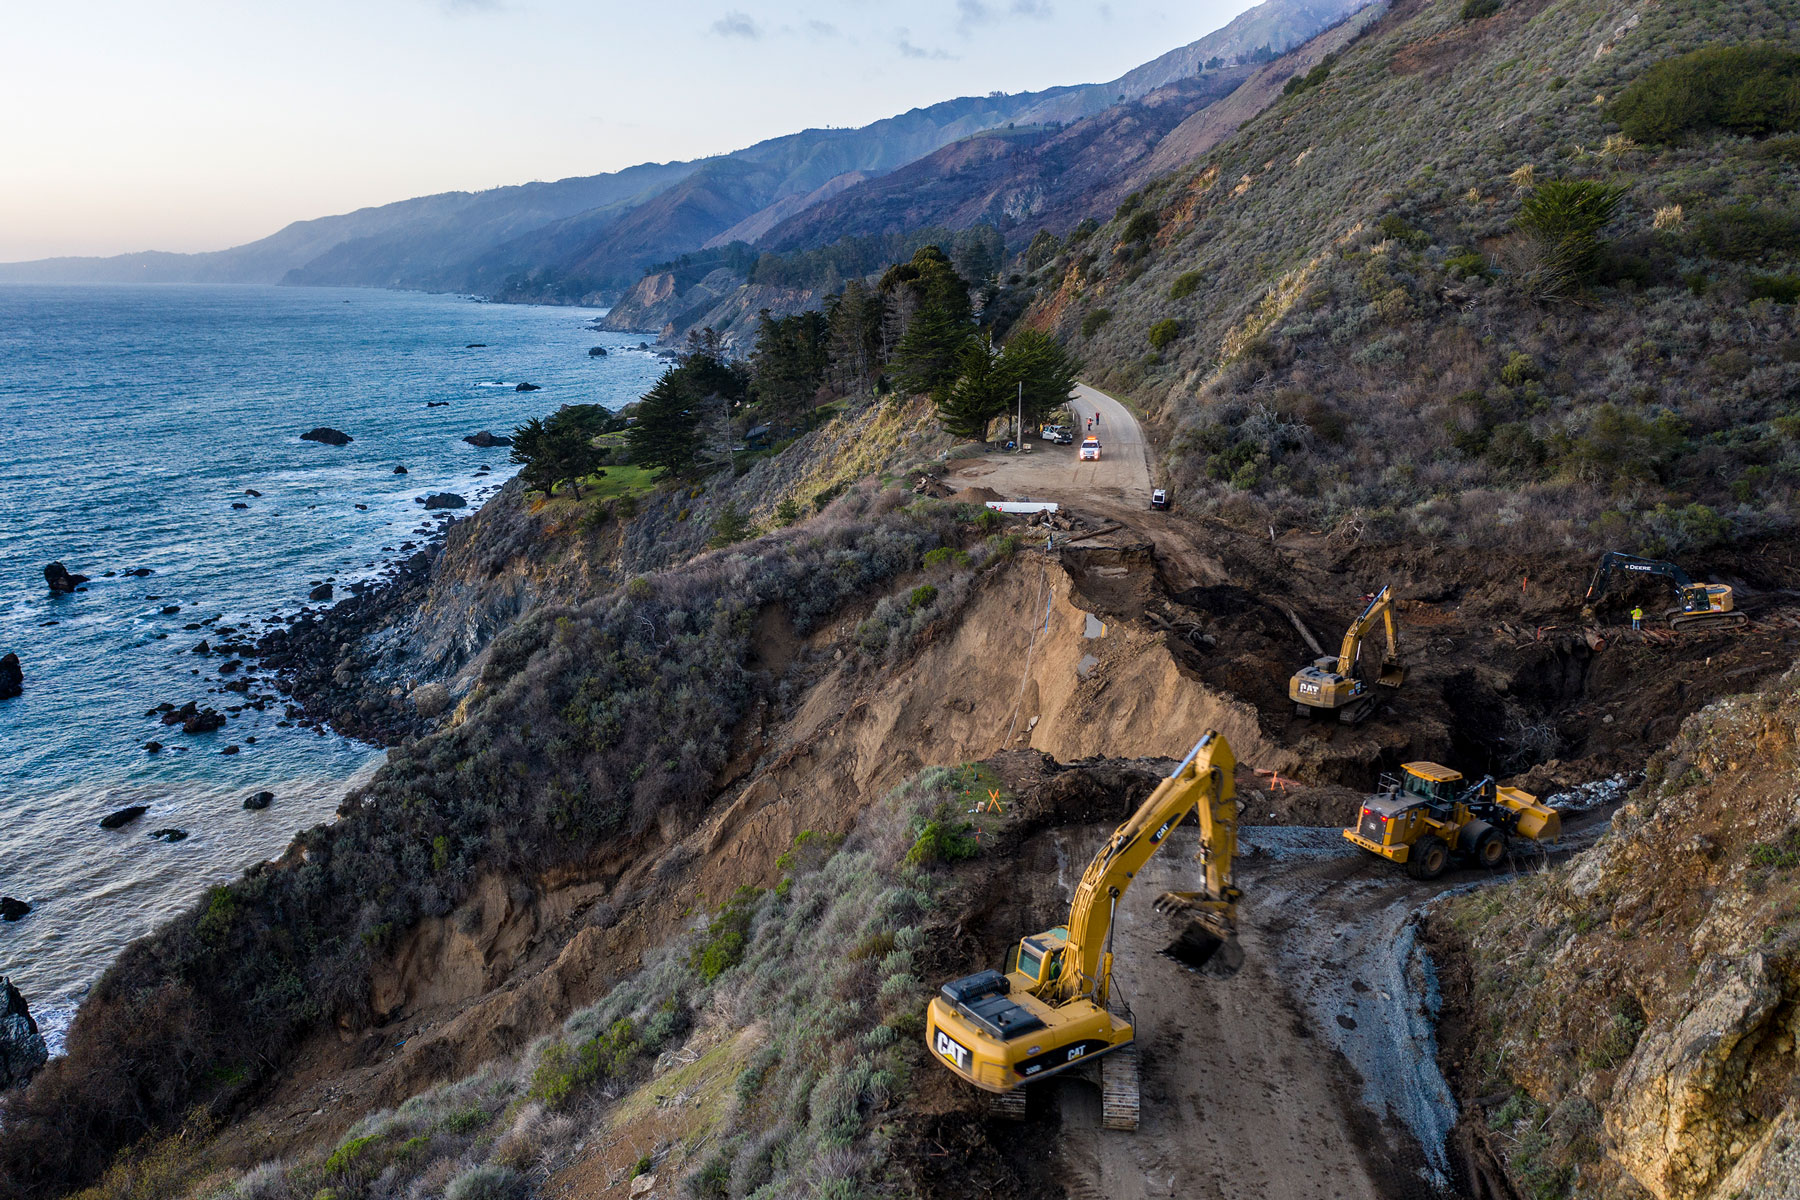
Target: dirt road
(1247,1088)
(1052,472)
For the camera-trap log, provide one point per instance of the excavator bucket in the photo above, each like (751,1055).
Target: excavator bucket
(1205,952)
(1393,674)
(1206,944)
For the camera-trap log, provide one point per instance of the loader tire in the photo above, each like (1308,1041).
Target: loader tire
(1428,858)
(1490,849)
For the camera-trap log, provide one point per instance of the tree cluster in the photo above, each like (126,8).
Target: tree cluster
(560,448)
(673,417)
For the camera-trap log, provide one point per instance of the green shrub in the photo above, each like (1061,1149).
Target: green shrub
(1751,90)
(1565,217)
(943,837)
(1090,324)
(1312,79)
(1747,231)
(1163,334)
(1477,10)
(1780,855)
(921,597)
(1783,289)
(1467,264)
(730,526)
(346,1156)
(787,512)
(1185,285)
(727,937)
(1519,368)
(1141,228)
(947,556)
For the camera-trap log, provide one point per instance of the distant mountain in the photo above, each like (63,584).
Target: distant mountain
(587,239)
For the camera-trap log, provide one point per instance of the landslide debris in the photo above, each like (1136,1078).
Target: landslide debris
(1631,1017)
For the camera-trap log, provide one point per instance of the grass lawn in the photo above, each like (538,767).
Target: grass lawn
(620,481)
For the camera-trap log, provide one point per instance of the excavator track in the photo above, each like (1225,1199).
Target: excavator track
(1119,1088)
(1704,621)
(1007,1106)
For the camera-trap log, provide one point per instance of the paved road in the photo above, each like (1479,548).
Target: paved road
(1123,472)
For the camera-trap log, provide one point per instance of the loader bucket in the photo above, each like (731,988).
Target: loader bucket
(1204,952)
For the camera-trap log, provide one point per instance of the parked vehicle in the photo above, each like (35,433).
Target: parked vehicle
(1159,499)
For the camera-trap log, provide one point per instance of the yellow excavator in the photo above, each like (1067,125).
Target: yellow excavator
(1337,685)
(1054,1007)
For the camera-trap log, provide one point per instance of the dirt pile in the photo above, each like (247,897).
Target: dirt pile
(1643,999)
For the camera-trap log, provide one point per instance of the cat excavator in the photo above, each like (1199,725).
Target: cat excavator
(1054,1007)
(1336,684)
(1698,605)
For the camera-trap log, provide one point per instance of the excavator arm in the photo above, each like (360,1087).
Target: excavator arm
(1381,608)
(1613,560)
(1202,784)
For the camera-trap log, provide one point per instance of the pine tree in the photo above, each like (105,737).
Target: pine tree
(667,432)
(1044,367)
(979,393)
(924,361)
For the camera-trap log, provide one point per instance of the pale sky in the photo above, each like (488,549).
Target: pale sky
(201,124)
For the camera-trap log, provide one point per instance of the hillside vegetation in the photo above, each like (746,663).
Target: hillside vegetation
(590,725)
(1437,291)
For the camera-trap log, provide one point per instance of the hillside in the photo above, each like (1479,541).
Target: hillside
(1339,317)
(1629,1017)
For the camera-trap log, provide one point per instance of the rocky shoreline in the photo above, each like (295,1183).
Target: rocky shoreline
(316,667)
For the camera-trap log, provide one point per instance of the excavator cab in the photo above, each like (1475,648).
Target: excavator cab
(1038,959)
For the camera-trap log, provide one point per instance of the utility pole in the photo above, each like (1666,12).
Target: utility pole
(1021,442)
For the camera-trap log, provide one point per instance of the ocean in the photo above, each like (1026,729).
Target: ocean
(138,420)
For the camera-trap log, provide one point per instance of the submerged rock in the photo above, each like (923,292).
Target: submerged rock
(60,580)
(12,677)
(22,1048)
(170,836)
(327,435)
(486,440)
(124,816)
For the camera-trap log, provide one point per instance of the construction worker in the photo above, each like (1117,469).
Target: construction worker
(1637,616)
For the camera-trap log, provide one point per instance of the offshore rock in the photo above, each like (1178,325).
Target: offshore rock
(322,592)
(487,440)
(328,436)
(445,500)
(12,909)
(124,816)
(60,580)
(12,677)
(259,801)
(22,1048)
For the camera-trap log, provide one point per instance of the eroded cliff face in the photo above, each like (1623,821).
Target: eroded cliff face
(1645,996)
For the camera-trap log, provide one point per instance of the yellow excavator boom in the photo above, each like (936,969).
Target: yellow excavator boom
(1203,783)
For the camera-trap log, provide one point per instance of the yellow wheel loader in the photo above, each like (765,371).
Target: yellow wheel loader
(1697,605)
(1425,816)
(1053,1008)
(1337,684)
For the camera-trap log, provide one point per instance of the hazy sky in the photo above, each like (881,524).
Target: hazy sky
(195,125)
